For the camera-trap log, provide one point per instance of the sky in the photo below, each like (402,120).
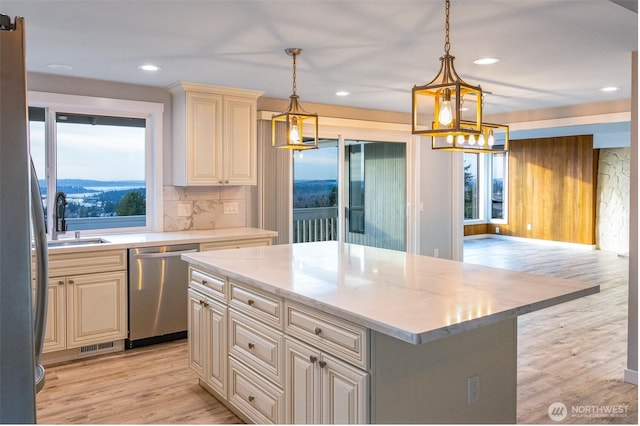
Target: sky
(316,164)
(92,152)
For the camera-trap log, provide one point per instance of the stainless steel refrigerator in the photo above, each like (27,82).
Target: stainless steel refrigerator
(22,302)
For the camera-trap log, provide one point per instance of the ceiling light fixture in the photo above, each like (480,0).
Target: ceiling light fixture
(610,89)
(60,67)
(446,93)
(486,61)
(342,93)
(149,67)
(287,127)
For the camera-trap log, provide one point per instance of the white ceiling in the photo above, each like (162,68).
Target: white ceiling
(553,52)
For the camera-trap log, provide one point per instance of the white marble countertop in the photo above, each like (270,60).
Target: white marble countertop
(414,298)
(147,239)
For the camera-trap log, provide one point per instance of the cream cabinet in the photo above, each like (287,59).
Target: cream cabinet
(207,340)
(322,389)
(214,135)
(85,305)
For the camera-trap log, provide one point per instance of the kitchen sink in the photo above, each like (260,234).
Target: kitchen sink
(76,242)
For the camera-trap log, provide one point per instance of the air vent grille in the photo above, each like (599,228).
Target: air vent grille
(96,347)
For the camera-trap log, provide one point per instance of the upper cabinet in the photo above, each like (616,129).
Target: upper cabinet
(214,135)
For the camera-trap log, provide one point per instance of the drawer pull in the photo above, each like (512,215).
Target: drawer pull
(251,398)
(251,345)
(205,282)
(313,359)
(70,281)
(250,302)
(317,331)
(201,302)
(322,364)
(61,282)
(205,304)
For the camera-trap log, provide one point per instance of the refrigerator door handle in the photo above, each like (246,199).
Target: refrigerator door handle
(42,274)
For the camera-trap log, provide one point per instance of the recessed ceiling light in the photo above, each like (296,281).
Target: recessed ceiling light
(610,89)
(60,67)
(486,61)
(149,67)
(342,93)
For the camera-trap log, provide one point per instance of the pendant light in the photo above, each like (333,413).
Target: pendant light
(287,128)
(450,110)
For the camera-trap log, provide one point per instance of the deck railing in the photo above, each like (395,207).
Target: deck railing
(315,224)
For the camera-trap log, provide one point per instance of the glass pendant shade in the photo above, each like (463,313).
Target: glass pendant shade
(295,128)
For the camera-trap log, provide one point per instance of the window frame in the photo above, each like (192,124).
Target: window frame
(152,112)
(485,170)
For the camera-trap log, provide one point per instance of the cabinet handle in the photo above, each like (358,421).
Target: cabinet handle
(205,304)
(313,359)
(70,281)
(251,345)
(250,302)
(322,364)
(220,181)
(317,331)
(61,282)
(251,398)
(226,181)
(204,282)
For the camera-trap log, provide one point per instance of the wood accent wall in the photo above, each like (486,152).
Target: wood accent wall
(477,229)
(552,188)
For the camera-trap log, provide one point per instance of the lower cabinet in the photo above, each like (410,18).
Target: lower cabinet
(208,341)
(322,389)
(240,349)
(86,309)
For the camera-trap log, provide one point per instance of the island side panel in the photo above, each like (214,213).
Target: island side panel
(427,383)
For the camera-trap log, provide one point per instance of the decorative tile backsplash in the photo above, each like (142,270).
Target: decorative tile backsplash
(211,207)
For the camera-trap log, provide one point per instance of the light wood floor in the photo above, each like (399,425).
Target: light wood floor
(574,353)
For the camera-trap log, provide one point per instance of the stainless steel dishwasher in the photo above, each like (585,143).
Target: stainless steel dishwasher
(158,282)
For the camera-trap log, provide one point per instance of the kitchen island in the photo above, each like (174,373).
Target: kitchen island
(338,333)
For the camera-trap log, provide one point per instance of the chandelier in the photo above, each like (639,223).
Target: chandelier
(456,121)
(287,127)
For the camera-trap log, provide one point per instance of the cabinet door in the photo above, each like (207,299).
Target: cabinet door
(204,139)
(97,308)
(55,332)
(344,392)
(216,349)
(197,335)
(302,385)
(240,149)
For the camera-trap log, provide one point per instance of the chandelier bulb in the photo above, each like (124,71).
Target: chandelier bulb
(472,140)
(481,139)
(491,140)
(445,116)
(460,140)
(450,139)
(294,135)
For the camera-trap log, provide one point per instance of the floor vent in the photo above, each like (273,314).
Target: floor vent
(96,348)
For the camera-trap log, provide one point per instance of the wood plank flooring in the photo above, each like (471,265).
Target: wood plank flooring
(573,353)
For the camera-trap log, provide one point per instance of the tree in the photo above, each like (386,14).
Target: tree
(132,204)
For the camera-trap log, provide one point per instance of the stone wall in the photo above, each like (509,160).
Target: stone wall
(612,204)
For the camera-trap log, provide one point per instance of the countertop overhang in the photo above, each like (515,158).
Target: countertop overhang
(413,298)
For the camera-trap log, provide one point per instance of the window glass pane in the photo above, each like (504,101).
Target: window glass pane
(498,165)
(101,169)
(37,149)
(356,188)
(471,199)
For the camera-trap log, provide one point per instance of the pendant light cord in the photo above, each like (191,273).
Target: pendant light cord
(447,44)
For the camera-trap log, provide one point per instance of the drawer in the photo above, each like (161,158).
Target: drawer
(208,283)
(338,337)
(259,304)
(255,397)
(259,346)
(62,264)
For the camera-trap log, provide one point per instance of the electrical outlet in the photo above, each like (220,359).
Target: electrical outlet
(436,252)
(497,229)
(473,389)
(230,208)
(528,227)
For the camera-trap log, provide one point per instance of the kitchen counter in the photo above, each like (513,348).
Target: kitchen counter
(425,340)
(413,298)
(147,239)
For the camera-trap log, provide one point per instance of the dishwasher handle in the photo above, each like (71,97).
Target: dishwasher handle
(163,254)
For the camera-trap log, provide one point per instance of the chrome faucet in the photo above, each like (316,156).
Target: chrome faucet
(61,200)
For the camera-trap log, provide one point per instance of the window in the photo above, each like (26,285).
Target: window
(103,162)
(485,187)
(471,186)
(356,188)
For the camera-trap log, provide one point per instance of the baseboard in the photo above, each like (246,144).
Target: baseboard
(532,240)
(631,376)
